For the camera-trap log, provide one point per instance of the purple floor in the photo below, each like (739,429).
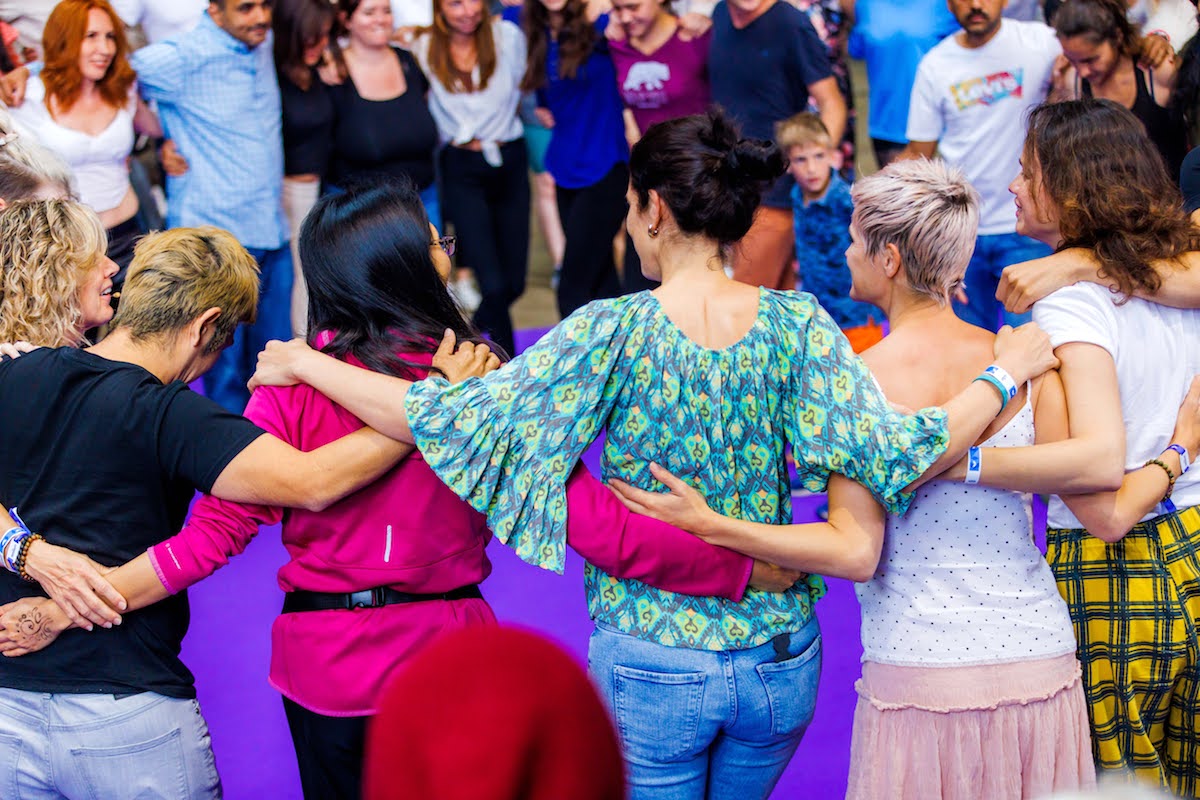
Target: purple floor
(228,650)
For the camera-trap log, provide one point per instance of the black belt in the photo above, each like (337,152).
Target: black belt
(301,600)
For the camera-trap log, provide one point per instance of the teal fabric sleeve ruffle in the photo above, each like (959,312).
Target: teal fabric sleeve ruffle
(840,422)
(508,442)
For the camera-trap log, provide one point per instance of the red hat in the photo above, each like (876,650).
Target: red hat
(491,713)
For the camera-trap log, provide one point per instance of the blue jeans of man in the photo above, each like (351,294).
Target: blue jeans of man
(707,725)
(226,381)
(105,747)
(994,252)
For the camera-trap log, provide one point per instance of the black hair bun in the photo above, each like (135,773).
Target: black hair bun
(756,160)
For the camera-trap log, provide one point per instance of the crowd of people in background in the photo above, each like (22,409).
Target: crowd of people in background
(186,183)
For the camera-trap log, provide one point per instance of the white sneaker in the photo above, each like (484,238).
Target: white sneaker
(465,295)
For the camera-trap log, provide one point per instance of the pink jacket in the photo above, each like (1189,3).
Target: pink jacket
(410,532)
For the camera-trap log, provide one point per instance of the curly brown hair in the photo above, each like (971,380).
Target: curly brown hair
(576,40)
(1110,189)
(62,40)
(47,247)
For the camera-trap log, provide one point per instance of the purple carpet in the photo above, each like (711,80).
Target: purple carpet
(228,650)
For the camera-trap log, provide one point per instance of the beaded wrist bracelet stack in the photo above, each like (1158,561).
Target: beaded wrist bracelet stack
(14,546)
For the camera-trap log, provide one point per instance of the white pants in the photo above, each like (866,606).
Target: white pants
(298,199)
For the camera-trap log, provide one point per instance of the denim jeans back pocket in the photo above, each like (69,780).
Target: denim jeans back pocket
(791,688)
(11,747)
(152,769)
(658,713)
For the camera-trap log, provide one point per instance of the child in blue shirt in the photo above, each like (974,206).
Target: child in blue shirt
(821,207)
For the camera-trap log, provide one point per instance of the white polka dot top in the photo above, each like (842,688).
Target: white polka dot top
(960,580)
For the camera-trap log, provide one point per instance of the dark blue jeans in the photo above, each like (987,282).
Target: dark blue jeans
(226,381)
(992,254)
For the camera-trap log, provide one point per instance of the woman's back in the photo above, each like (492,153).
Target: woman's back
(960,580)
(963,560)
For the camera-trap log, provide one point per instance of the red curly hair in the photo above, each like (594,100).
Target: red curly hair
(62,41)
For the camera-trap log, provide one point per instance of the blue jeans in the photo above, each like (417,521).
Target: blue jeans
(993,253)
(104,747)
(706,725)
(226,381)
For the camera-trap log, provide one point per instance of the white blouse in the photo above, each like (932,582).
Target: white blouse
(98,163)
(489,115)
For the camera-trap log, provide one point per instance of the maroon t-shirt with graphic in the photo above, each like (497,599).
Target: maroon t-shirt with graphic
(670,82)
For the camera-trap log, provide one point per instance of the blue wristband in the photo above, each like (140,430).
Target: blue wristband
(1185,461)
(998,386)
(1006,381)
(974,466)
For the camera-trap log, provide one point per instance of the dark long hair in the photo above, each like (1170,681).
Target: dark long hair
(1098,21)
(299,24)
(576,40)
(1110,189)
(371,279)
(1186,97)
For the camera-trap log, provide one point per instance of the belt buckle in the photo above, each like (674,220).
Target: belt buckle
(367,598)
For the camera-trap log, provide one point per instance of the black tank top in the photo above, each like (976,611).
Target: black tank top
(1164,128)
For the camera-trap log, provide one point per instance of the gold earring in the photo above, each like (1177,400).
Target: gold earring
(653,231)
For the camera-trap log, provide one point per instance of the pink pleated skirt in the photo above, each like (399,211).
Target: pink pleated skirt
(1013,731)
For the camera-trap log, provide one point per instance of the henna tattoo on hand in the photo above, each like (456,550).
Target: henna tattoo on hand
(35,627)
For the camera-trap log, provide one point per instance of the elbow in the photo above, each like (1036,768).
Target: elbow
(317,499)
(312,497)
(863,563)
(1108,532)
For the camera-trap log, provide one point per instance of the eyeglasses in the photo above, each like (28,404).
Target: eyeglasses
(447,243)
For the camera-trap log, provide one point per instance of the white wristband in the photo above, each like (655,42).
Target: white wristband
(974,466)
(1001,374)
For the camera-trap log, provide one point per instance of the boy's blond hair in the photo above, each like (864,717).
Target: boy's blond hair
(802,130)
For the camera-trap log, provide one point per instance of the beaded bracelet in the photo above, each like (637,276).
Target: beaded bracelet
(23,555)
(1166,499)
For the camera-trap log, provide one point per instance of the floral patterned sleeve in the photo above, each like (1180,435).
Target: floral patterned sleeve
(839,421)
(508,442)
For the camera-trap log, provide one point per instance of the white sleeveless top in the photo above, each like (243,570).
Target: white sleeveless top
(960,580)
(98,163)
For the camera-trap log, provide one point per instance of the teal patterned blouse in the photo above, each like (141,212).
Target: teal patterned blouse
(719,419)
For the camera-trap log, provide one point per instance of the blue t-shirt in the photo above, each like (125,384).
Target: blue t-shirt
(822,236)
(892,36)
(760,74)
(588,138)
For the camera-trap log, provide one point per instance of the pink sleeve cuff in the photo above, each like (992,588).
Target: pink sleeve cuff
(158,570)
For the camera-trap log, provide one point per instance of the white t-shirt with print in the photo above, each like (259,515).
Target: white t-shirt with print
(973,103)
(1156,350)
(161,19)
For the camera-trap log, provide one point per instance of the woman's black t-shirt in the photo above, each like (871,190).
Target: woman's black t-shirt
(103,458)
(307,126)
(397,136)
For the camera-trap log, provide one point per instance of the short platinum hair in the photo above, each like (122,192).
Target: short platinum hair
(24,162)
(930,212)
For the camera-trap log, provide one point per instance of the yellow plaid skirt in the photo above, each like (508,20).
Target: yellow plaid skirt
(1135,606)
